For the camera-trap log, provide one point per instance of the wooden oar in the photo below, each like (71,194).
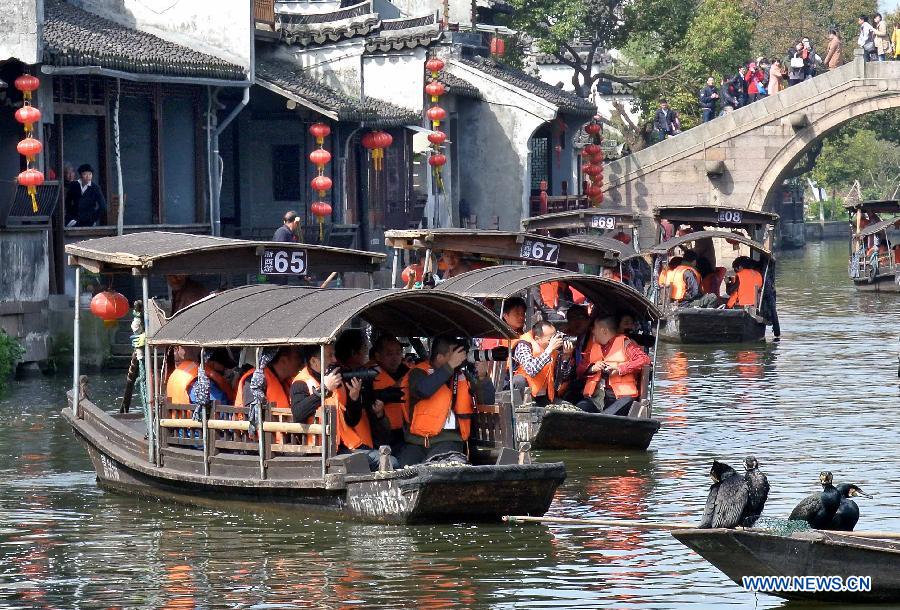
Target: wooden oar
(329,279)
(672,525)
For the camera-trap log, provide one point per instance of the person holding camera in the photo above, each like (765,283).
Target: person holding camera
(387,353)
(613,370)
(441,406)
(537,355)
(307,385)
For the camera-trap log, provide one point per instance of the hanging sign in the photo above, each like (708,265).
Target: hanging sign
(603,222)
(730,216)
(537,250)
(283,261)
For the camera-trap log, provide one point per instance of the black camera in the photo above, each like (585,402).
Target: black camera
(389,395)
(363,374)
(497,354)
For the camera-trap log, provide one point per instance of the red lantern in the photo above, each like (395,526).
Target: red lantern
(592,170)
(31,178)
(320,157)
(592,149)
(29,148)
(320,184)
(498,46)
(593,128)
(320,131)
(28,116)
(434,65)
(437,160)
(597,159)
(436,114)
(27,83)
(109,306)
(321,210)
(437,137)
(593,191)
(368,140)
(383,139)
(435,89)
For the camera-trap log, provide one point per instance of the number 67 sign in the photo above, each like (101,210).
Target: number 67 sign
(282,261)
(537,250)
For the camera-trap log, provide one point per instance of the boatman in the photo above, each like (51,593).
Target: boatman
(387,354)
(537,355)
(616,359)
(684,280)
(441,406)
(746,285)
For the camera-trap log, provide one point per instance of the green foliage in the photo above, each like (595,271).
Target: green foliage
(10,352)
(554,24)
(858,154)
(833,208)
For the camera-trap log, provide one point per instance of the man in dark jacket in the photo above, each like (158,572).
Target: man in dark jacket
(85,205)
(665,122)
(708,99)
(728,95)
(740,87)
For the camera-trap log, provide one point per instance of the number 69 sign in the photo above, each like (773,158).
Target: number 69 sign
(282,261)
(537,250)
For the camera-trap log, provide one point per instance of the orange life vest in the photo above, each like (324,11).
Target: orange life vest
(277,393)
(394,411)
(679,286)
(550,294)
(351,437)
(749,281)
(577,297)
(178,387)
(622,385)
(305,376)
(545,381)
(663,279)
(712,283)
(430,414)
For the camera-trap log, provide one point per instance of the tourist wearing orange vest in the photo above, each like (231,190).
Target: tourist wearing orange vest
(387,353)
(552,299)
(746,285)
(612,374)
(440,404)
(182,382)
(515,310)
(278,378)
(684,280)
(665,273)
(543,360)
(307,384)
(362,423)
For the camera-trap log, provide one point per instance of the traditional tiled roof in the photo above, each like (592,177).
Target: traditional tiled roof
(320,28)
(566,102)
(398,34)
(75,37)
(291,79)
(459,87)
(599,58)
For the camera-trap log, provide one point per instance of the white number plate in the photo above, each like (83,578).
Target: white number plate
(278,261)
(603,222)
(536,250)
(730,216)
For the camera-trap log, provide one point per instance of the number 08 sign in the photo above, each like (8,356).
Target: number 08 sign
(282,261)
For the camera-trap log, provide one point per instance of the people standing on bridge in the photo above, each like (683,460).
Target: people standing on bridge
(797,63)
(895,40)
(777,74)
(882,41)
(866,39)
(754,78)
(665,122)
(740,85)
(835,50)
(709,98)
(812,60)
(727,97)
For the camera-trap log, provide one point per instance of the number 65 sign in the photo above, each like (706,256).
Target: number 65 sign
(282,261)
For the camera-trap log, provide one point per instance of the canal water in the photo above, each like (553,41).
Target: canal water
(825,397)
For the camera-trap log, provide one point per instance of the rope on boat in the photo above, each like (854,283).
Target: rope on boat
(201,386)
(257,381)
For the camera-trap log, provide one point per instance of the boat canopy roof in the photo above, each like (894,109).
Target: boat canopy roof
(625,251)
(889,206)
(265,315)
(877,227)
(505,281)
(669,244)
(181,253)
(587,218)
(506,245)
(715,215)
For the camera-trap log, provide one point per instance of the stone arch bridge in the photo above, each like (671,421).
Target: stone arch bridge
(739,159)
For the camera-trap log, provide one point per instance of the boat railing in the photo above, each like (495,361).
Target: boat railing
(228,432)
(492,428)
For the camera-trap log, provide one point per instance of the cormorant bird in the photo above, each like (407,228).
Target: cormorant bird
(759,491)
(847,514)
(818,509)
(728,498)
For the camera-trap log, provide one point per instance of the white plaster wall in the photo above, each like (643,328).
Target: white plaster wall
(19,37)
(414,8)
(306,6)
(397,77)
(338,65)
(223,28)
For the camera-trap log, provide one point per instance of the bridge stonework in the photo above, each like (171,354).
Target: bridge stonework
(739,159)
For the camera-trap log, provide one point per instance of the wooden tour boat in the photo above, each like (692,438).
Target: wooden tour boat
(874,264)
(747,552)
(601,222)
(163,452)
(733,233)
(556,427)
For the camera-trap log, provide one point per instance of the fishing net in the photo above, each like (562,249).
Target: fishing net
(781,527)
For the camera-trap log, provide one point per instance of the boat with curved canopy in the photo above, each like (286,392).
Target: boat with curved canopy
(553,427)
(874,264)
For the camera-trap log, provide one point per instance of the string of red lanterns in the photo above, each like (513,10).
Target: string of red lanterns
(29,147)
(320,183)
(375,142)
(593,166)
(435,89)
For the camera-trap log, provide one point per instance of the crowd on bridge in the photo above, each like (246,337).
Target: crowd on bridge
(764,76)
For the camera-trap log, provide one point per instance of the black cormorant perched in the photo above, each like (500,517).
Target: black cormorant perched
(728,498)
(818,509)
(847,514)
(759,491)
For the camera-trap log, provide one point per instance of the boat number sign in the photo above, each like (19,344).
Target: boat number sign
(730,216)
(603,222)
(282,261)
(537,250)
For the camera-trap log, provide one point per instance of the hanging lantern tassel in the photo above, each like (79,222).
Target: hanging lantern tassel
(31,179)
(30,147)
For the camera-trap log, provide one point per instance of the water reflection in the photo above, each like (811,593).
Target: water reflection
(824,397)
